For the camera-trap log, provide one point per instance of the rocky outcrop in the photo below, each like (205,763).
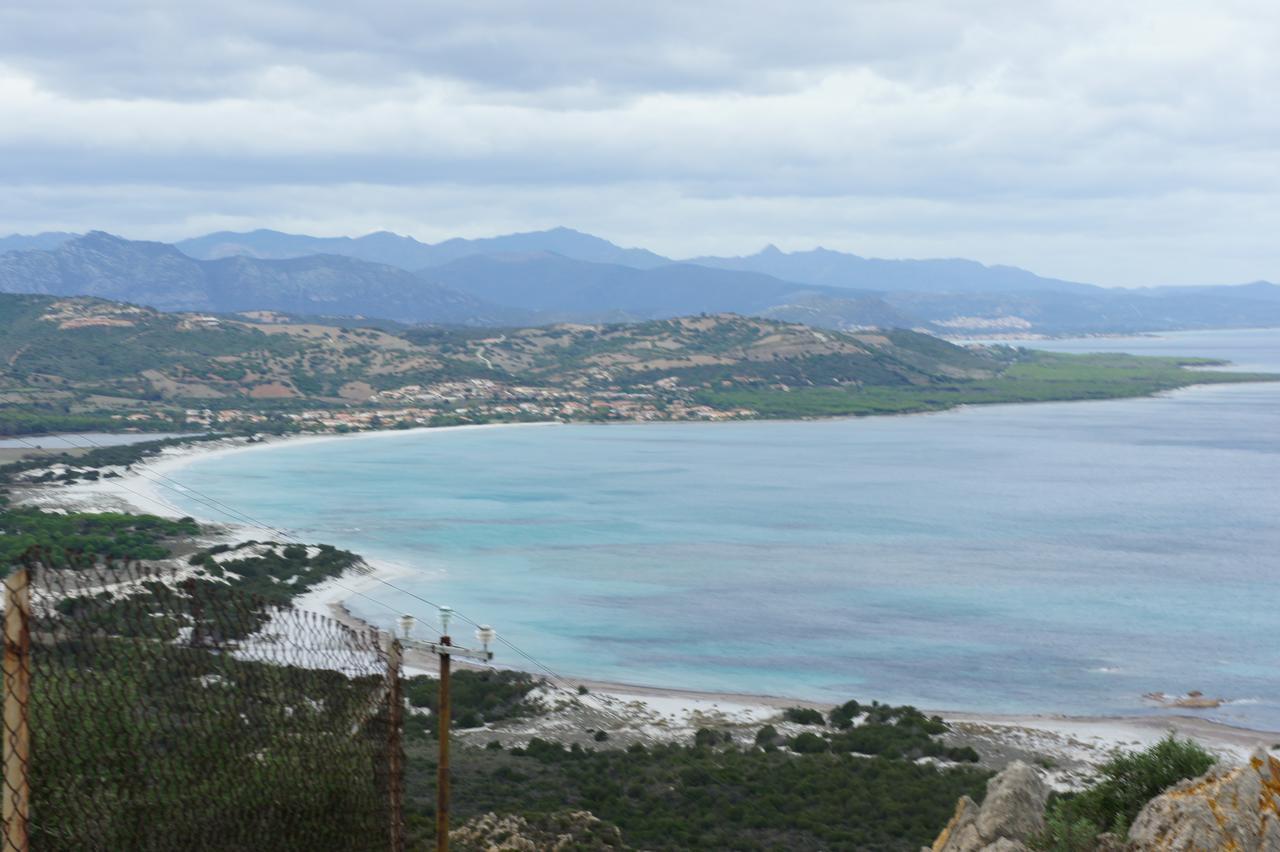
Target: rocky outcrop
(577,830)
(1011,814)
(1229,808)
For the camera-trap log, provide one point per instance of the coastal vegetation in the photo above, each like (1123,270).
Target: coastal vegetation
(274,572)
(1126,782)
(59,466)
(704,796)
(477,698)
(107,535)
(870,729)
(717,790)
(1032,377)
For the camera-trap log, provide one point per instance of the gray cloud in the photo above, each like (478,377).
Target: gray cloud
(1122,143)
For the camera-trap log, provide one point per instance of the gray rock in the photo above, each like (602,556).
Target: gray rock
(1004,844)
(1011,814)
(1014,807)
(576,830)
(1236,808)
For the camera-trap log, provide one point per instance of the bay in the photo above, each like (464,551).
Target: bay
(1058,557)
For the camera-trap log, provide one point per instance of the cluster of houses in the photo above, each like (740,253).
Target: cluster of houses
(474,400)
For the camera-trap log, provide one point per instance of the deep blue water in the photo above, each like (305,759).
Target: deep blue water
(1061,557)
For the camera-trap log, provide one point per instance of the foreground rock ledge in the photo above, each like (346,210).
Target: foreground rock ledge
(1011,814)
(1235,808)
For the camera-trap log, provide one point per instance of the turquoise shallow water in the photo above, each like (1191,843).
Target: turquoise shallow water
(1062,557)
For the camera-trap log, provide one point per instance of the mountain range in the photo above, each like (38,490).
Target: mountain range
(408,253)
(562,275)
(160,276)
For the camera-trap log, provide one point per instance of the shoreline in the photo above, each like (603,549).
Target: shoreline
(1068,748)
(1078,740)
(1033,337)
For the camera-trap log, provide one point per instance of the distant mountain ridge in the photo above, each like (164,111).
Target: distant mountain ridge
(562,288)
(160,276)
(563,275)
(504,289)
(28,242)
(817,267)
(827,268)
(410,254)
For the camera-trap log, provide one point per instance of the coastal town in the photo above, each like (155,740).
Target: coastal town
(470,401)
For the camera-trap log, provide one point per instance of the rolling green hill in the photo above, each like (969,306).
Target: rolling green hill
(98,363)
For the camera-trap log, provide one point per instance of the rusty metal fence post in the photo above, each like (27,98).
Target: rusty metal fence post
(395,747)
(17,693)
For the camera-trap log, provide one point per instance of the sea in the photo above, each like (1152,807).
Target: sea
(1040,558)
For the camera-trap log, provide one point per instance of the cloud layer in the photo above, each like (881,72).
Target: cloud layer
(1130,143)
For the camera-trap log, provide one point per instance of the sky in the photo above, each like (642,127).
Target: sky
(1122,143)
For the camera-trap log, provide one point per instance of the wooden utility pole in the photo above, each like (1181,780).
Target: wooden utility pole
(442,768)
(17,697)
(395,753)
(446,651)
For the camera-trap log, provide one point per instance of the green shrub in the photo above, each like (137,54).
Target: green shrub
(478,697)
(962,754)
(1061,834)
(708,737)
(809,743)
(843,716)
(803,716)
(1129,781)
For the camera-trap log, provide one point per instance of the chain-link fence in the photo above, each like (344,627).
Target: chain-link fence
(151,709)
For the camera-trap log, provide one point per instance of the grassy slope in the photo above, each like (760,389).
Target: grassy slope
(1041,377)
(68,363)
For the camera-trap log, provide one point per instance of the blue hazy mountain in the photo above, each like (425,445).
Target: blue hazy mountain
(838,269)
(563,288)
(484,286)
(408,253)
(160,276)
(29,242)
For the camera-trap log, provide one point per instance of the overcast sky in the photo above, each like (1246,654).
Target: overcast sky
(1119,142)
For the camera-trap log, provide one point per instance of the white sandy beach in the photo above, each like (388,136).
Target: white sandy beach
(1073,744)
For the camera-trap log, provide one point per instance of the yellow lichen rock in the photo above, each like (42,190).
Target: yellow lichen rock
(1235,809)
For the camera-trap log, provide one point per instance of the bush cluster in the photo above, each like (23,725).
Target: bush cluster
(477,697)
(1128,781)
(687,797)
